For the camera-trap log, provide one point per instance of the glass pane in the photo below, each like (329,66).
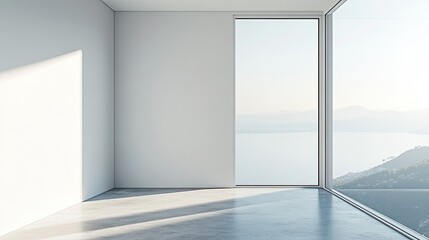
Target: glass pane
(276,101)
(381,107)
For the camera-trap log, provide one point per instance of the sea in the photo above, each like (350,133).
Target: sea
(292,158)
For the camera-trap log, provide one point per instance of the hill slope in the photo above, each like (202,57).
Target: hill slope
(410,170)
(349,119)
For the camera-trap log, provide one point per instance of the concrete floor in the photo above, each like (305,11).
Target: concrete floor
(240,213)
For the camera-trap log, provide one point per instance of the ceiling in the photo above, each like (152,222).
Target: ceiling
(221,5)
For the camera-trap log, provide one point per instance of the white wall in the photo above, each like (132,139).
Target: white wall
(39,156)
(174,99)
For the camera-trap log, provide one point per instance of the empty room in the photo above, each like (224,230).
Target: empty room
(214,119)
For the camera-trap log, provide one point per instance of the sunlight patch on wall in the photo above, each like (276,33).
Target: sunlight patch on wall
(40,139)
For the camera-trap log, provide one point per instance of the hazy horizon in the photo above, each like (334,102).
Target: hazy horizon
(346,107)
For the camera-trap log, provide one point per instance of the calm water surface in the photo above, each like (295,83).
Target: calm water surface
(291,158)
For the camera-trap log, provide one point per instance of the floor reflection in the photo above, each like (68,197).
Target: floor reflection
(240,213)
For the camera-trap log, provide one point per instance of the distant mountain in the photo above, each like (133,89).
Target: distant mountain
(410,170)
(351,112)
(360,119)
(304,121)
(357,111)
(349,119)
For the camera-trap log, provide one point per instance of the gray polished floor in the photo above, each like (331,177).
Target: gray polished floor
(240,213)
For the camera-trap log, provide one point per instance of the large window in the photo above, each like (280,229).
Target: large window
(381,107)
(276,101)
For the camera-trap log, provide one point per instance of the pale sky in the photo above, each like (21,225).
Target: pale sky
(381,59)
(276,65)
(381,54)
